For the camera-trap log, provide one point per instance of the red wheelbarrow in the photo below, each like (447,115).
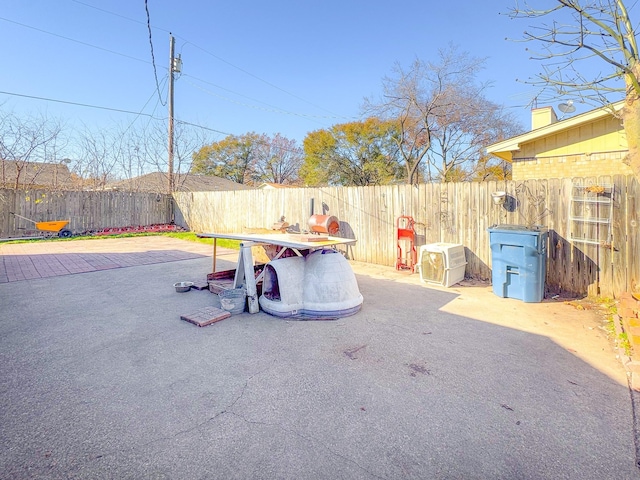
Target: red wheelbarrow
(54,226)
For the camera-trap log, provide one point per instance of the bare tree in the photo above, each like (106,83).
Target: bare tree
(103,156)
(97,161)
(579,35)
(460,138)
(444,119)
(188,139)
(130,151)
(279,161)
(25,142)
(150,148)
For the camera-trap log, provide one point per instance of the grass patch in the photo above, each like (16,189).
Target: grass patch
(610,310)
(188,236)
(623,341)
(610,327)
(192,237)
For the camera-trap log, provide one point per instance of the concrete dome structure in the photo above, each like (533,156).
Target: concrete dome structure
(320,286)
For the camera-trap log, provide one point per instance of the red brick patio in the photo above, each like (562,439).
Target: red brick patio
(26,261)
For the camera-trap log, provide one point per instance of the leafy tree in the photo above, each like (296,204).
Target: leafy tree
(355,153)
(234,157)
(488,168)
(443,117)
(579,35)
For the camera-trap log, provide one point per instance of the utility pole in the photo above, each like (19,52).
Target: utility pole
(175,66)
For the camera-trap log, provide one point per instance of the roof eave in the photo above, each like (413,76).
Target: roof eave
(504,148)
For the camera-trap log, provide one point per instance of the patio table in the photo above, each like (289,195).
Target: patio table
(245,274)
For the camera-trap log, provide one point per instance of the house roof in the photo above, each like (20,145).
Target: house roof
(505,148)
(158,182)
(34,174)
(275,185)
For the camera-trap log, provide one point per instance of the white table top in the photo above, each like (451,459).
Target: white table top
(289,240)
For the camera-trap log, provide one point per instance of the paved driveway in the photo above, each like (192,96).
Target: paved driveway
(100,379)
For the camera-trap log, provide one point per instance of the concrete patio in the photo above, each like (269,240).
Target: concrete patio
(99,378)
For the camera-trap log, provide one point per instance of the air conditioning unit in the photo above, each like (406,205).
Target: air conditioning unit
(442,263)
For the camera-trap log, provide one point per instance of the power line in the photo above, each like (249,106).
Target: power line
(153,58)
(183,122)
(258,78)
(99,107)
(290,150)
(155,107)
(271,108)
(73,40)
(116,14)
(143,107)
(138,114)
(187,42)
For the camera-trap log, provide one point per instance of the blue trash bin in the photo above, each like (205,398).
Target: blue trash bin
(519,261)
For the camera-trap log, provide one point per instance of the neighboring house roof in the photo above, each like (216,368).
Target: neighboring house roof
(34,174)
(158,182)
(505,148)
(268,185)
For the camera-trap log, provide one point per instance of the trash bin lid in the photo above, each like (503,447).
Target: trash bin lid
(517,228)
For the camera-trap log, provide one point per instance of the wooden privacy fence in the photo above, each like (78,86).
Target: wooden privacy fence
(87,210)
(594,242)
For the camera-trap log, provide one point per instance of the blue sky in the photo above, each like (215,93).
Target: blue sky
(285,66)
